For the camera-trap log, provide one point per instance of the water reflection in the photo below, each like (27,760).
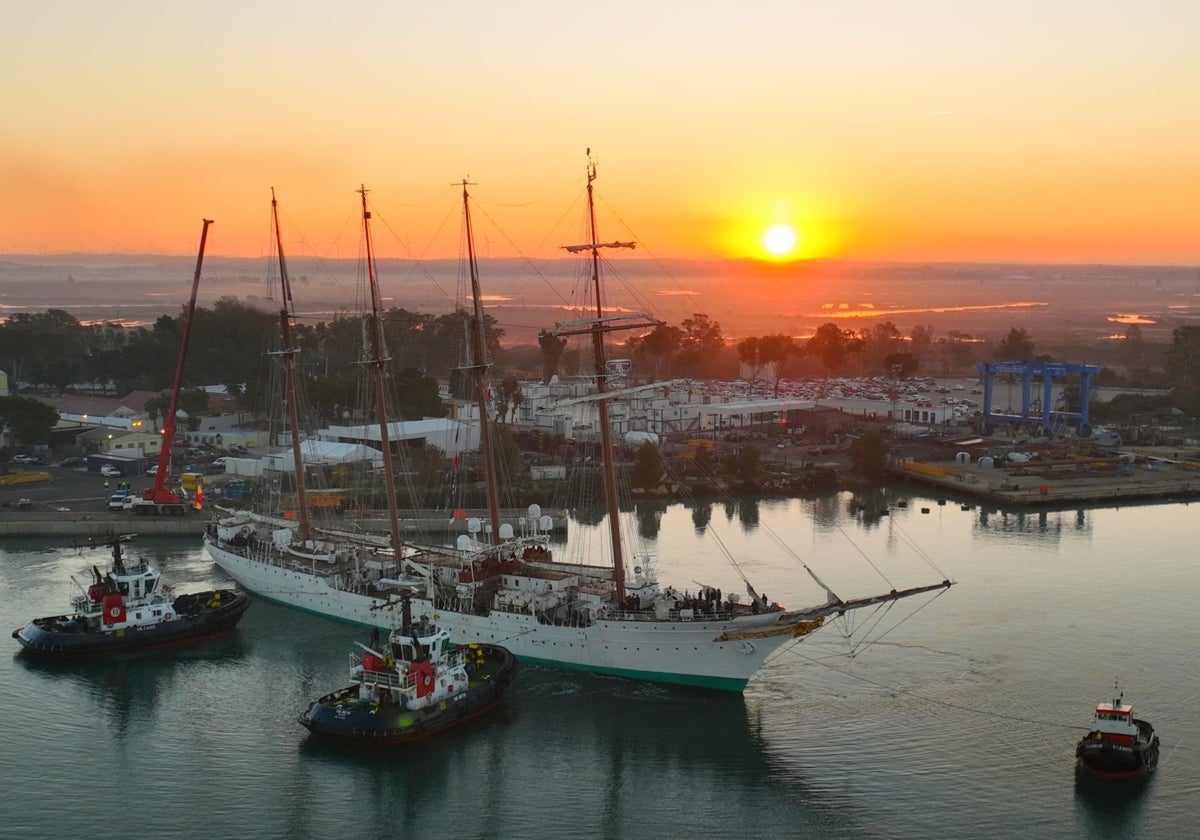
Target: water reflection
(1111,809)
(869,505)
(1054,524)
(126,690)
(826,510)
(649,518)
(748,513)
(614,758)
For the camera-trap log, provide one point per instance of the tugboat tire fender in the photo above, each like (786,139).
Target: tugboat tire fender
(167,616)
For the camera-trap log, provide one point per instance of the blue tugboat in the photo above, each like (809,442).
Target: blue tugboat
(419,684)
(1118,746)
(128,609)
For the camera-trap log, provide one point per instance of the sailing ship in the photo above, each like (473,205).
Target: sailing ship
(128,609)
(507,588)
(1118,745)
(421,683)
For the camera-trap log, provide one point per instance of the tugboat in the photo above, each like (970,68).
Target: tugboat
(128,609)
(1118,746)
(420,684)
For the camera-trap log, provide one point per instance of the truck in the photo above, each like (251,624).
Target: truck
(162,498)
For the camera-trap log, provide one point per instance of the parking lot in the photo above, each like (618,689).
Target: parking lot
(69,489)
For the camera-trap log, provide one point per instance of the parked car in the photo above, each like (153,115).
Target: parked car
(24,459)
(219,463)
(73,461)
(109,471)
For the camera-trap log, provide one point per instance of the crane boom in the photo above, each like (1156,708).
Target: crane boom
(162,498)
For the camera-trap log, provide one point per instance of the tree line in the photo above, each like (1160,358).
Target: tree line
(231,343)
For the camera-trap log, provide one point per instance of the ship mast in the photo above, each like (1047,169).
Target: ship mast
(606,443)
(378,361)
(596,329)
(480,369)
(289,352)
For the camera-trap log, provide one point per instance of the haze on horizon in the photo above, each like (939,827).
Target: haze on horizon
(925,131)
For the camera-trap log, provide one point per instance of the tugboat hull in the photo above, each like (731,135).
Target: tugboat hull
(194,620)
(1112,761)
(345,716)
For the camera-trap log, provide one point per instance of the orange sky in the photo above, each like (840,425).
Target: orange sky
(927,130)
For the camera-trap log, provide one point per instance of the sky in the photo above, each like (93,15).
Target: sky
(925,130)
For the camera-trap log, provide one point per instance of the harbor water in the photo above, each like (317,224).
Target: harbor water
(959,719)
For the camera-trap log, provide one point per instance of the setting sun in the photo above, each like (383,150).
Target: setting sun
(779,240)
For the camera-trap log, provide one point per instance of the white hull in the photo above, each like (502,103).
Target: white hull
(674,651)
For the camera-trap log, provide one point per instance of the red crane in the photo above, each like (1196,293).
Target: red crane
(162,498)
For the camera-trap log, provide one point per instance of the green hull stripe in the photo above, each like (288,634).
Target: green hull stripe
(694,680)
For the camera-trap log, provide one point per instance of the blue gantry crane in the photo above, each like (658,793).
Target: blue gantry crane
(1036,412)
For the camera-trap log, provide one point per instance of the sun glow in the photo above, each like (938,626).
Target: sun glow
(780,240)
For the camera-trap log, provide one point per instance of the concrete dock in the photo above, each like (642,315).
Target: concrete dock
(1133,477)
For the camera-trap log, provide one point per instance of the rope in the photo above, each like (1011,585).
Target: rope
(925,699)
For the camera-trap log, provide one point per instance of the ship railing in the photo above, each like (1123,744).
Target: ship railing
(388,679)
(265,551)
(673,615)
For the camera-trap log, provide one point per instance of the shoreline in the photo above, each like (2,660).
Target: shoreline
(82,524)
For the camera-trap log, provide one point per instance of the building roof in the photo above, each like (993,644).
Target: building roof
(81,405)
(136,400)
(402,430)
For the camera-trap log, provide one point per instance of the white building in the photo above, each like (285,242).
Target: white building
(451,436)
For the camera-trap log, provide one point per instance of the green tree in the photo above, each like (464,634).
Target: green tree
(868,453)
(657,348)
(417,395)
(44,348)
(831,345)
(552,349)
(1133,347)
(28,421)
(920,341)
(777,350)
(1015,346)
(748,354)
(901,363)
(703,461)
(508,397)
(701,344)
(747,464)
(156,408)
(647,466)
(193,402)
(877,344)
(1183,356)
